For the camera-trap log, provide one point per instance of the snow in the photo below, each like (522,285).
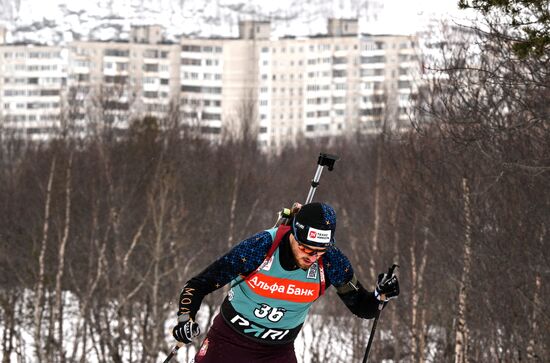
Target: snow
(208,18)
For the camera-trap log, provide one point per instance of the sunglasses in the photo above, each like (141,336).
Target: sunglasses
(309,251)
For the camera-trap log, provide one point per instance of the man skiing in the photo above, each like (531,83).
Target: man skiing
(275,276)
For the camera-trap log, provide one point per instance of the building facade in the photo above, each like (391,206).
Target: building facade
(278,90)
(290,88)
(32,89)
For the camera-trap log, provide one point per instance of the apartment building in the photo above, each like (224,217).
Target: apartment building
(113,83)
(32,89)
(281,90)
(390,71)
(314,87)
(84,85)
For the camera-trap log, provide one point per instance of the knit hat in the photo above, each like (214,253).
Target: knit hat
(315,225)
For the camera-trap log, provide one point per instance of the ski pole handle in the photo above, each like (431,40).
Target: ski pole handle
(391,269)
(390,274)
(324,160)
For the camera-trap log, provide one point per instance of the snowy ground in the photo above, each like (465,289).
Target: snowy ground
(315,333)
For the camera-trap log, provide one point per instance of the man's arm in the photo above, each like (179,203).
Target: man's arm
(339,273)
(359,300)
(240,260)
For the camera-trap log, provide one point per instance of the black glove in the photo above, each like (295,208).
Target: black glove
(387,286)
(186,329)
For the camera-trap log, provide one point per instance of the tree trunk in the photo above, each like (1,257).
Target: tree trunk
(233,209)
(376,212)
(461,332)
(40,289)
(58,309)
(532,354)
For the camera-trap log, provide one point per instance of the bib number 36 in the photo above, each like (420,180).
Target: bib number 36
(272,314)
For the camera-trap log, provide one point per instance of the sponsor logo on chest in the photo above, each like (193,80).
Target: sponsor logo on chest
(284,289)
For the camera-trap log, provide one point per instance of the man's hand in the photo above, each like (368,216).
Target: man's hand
(186,329)
(387,287)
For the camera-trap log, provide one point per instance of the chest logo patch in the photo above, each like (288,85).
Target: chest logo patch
(312,271)
(284,289)
(268,264)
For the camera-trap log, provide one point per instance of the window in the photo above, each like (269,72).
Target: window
(210,116)
(151,67)
(377,111)
(339,73)
(150,53)
(190,62)
(373,59)
(372,72)
(210,130)
(404,57)
(339,60)
(403,84)
(116,53)
(191,48)
(194,89)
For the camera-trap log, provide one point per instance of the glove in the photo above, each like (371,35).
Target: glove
(386,287)
(186,329)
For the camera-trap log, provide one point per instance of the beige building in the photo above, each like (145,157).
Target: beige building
(281,90)
(116,82)
(47,90)
(313,87)
(32,89)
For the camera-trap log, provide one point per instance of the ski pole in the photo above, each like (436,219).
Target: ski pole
(323,160)
(380,306)
(173,352)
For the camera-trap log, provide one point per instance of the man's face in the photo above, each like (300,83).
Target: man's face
(305,255)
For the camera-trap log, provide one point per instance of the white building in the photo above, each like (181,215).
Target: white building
(281,90)
(117,82)
(32,89)
(313,87)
